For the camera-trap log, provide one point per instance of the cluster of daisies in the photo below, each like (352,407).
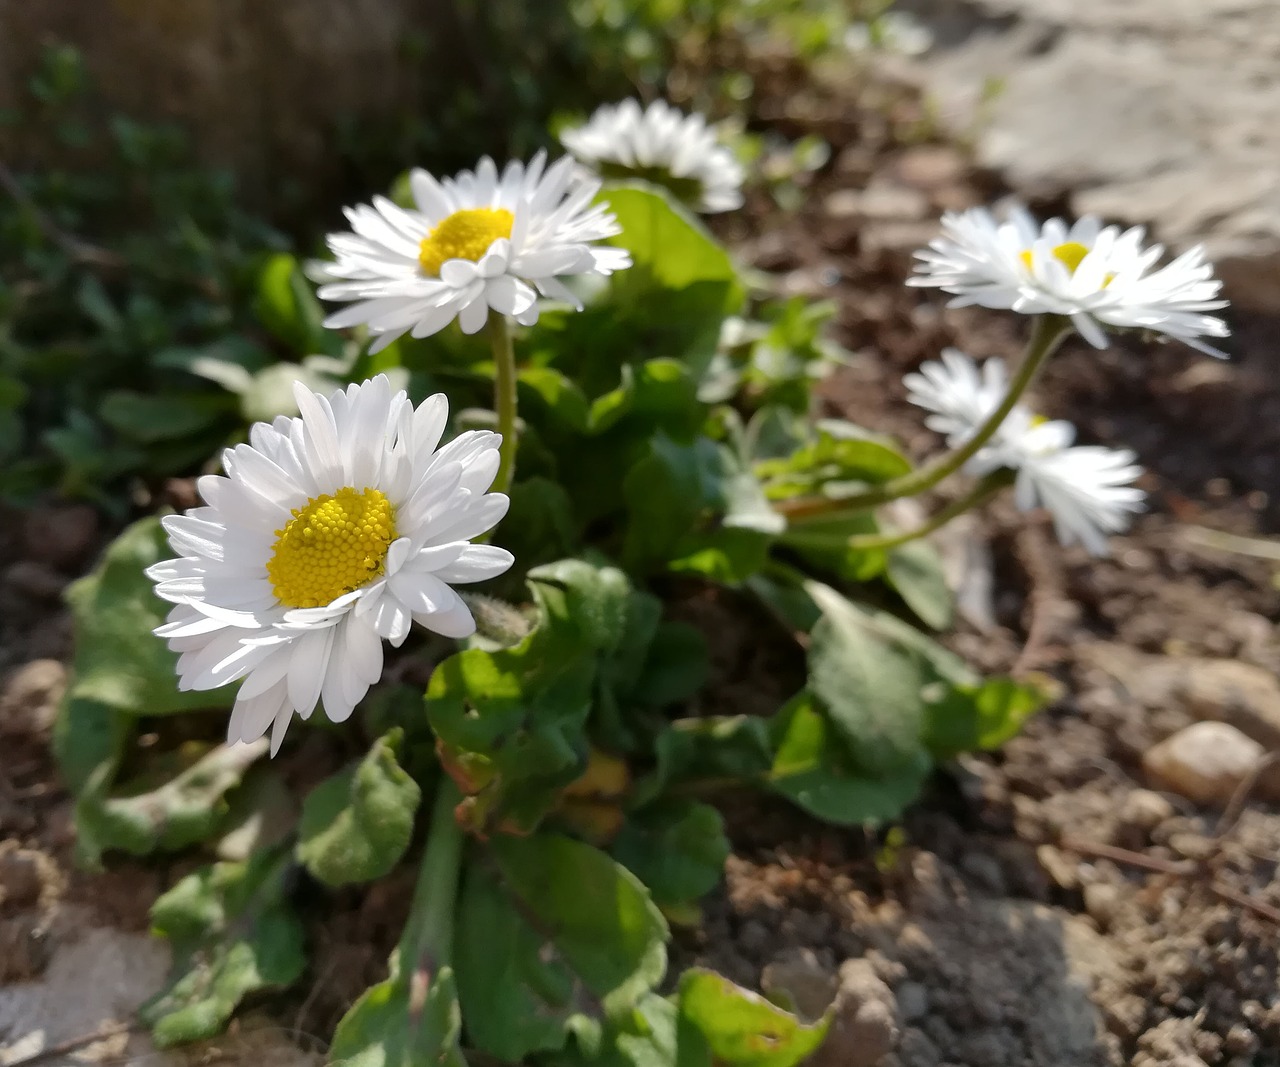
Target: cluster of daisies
(338,529)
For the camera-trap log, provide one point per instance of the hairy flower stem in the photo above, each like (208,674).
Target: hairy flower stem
(427,945)
(1046,335)
(504,398)
(982,492)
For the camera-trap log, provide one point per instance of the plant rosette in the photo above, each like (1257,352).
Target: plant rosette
(665,439)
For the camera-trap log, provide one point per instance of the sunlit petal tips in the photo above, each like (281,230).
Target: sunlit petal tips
(330,533)
(1098,276)
(1087,489)
(664,145)
(478,242)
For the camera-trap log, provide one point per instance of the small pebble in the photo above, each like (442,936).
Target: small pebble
(1205,762)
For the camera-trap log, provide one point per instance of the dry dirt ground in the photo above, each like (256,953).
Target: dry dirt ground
(1045,906)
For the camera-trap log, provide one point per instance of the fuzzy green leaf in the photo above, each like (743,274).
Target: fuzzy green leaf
(676,848)
(560,937)
(356,825)
(387,1028)
(119,662)
(871,687)
(915,571)
(985,716)
(232,934)
(814,769)
(183,811)
(740,1028)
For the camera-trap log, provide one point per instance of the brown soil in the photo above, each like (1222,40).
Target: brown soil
(1039,907)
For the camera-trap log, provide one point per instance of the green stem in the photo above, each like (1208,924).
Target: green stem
(1046,335)
(504,397)
(427,944)
(985,489)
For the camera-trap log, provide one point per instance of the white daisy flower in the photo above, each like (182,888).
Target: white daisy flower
(663,145)
(1096,275)
(475,242)
(330,533)
(1086,488)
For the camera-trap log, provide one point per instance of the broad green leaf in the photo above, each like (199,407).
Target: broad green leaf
(562,396)
(646,1039)
(356,825)
(676,848)
(589,597)
(677,666)
(870,685)
(286,305)
(740,1028)
(915,571)
(938,664)
(823,540)
(511,721)
(734,747)
(984,716)
(559,935)
(389,1027)
(149,419)
(843,460)
(669,247)
(119,662)
(814,769)
(183,811)
(232,934)
(540,525)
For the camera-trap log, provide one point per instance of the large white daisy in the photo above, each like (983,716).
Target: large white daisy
(478,241)
(661,144)
(1088,489)
(1096,275)
(330,533)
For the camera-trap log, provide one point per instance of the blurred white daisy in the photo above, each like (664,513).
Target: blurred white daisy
(663,145)
(330,533)
(478,241)
(1086,488)
(1096,275)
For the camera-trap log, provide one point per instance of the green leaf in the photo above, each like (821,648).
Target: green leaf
(936,663)
(871,687)
(985,716)
(676,848)
(915,571)
(153,419)
(669,247)
(735,747)
(561,395)
(389,1027)
(540,525)
(511,721)
(592,599)
(560,935)
(843,460)
(357,824)
(287,307)
(676,667)
(119,663)
(646,1039)
(183,811)
(814,769)
(741,1028)
(823,540)
(232,934)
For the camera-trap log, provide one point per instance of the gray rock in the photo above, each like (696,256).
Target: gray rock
(1148,111)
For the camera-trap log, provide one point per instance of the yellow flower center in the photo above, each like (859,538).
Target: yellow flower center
(1071,254)
(463,235)
(335,544)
